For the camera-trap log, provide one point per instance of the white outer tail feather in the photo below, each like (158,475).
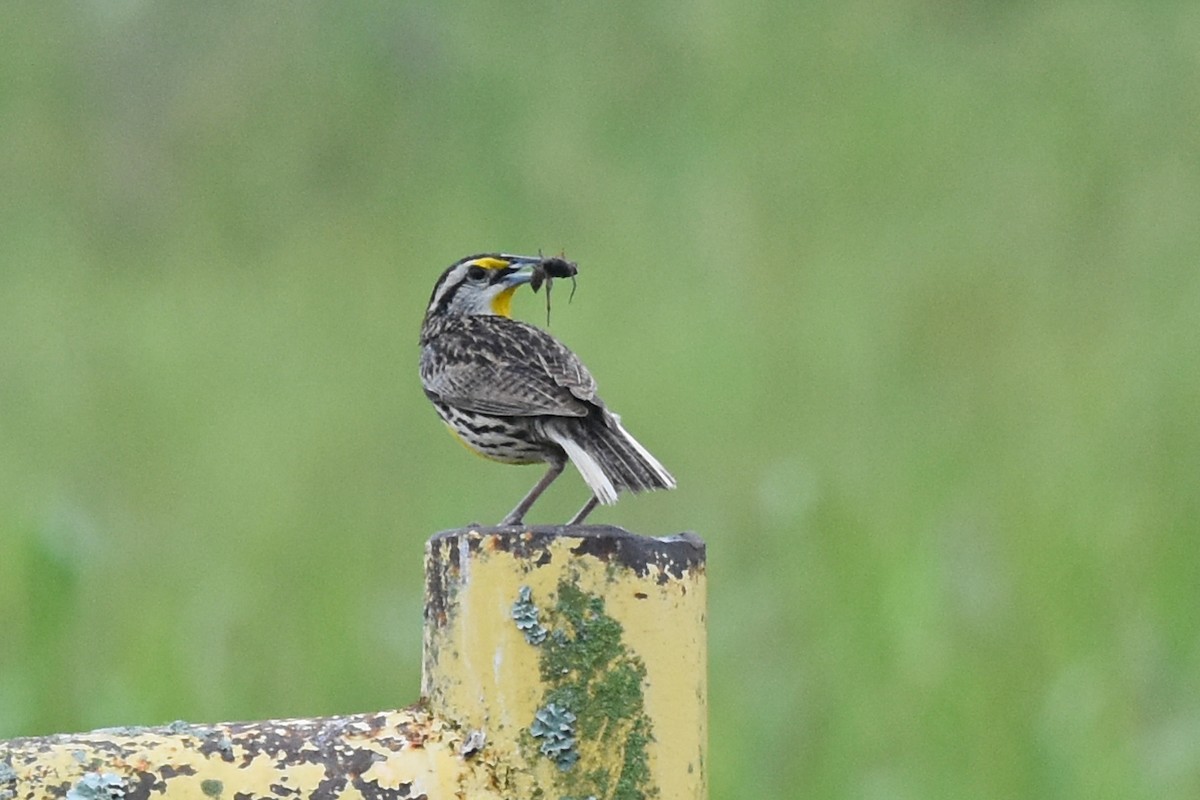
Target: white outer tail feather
(591,471)
(659,469)
(593,476)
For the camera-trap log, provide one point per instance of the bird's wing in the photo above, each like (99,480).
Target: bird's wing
(496,365)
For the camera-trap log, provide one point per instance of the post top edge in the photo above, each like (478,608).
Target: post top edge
(682,550)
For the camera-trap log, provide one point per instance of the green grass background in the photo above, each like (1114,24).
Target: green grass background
(907,295)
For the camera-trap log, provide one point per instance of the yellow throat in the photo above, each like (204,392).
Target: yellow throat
(502,303)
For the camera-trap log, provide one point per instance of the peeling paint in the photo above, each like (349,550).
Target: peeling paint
(476,739)
(377,756)
(596,690)
(666,557)
(219,743)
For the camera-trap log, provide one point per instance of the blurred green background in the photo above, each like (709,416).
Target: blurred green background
(906,294)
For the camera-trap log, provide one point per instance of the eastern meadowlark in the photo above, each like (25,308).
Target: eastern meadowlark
(513,393)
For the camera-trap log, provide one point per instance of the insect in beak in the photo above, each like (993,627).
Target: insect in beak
(546,270)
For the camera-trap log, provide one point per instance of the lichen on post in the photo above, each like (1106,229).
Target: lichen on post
(577,651)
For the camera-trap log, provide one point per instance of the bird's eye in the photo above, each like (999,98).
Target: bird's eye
(476,273)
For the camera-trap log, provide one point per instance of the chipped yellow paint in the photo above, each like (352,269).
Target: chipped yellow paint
(395,754)
(483,683)
(481,673)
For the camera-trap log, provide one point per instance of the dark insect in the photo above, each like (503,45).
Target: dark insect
(546,271)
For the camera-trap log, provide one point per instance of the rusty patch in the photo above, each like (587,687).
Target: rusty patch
(217,742)
(371,790)
(141,784)
(436,600)
(375,722)
(669,557)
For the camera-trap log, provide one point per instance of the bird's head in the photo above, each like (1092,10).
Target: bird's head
(481,284)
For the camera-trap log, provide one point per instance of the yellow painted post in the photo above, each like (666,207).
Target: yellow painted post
(393,754)
(564,662)
(577,653)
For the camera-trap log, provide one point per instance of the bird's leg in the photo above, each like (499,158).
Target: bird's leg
(583,512)
(517,514)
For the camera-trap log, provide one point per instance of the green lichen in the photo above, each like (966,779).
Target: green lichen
(635,771)
(591,674)
(212,787)
(584,640)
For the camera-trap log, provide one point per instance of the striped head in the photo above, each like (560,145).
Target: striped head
(481,284)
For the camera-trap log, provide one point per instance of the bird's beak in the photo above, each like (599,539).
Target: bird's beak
(520,270)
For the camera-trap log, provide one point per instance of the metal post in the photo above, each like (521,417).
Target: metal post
(560,662)
(577,653)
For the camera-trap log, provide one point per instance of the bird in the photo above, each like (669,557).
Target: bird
(511,392)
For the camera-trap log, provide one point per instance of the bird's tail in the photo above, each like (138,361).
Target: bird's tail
(608,458)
